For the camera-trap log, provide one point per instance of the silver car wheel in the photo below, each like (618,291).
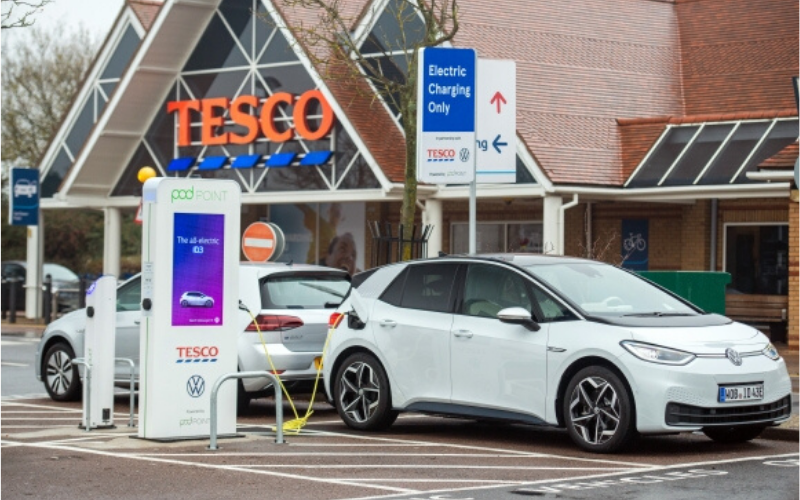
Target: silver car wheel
(595,410)
(59,372)
(359,392)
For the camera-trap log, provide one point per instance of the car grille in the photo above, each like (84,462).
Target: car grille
(680,414)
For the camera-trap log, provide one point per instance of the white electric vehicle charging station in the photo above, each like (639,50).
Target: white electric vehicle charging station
(190,243)
(99,346)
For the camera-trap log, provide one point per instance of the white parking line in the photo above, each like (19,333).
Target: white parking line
(653,469)
(74,449)
(429,466)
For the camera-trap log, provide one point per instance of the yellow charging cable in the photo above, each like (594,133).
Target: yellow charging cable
(294,426)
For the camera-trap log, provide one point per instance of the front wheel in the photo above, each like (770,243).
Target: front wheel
(61,377)
(733,433)
(599,411)
(361,394)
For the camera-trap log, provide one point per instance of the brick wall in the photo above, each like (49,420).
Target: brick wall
(696,236)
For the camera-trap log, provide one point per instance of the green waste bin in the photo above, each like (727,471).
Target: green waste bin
(705,289)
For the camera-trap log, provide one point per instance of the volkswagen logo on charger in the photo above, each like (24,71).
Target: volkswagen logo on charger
(733,356)
(196,386)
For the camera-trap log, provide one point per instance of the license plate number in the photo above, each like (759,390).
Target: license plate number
(733,393)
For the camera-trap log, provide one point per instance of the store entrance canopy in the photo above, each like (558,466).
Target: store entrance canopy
(706,154)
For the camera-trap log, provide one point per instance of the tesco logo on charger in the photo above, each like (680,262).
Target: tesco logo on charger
(441,155)
(197,354)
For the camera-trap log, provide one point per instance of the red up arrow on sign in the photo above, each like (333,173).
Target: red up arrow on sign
(499,99)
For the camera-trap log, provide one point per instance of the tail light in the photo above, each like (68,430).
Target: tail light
(335,319)
(271,323)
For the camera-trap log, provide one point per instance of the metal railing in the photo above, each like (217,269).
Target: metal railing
(132,387)
(87,402)
(278,404)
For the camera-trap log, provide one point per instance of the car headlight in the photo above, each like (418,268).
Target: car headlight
(771,352)
(657,354)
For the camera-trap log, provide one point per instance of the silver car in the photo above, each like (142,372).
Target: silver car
(290,303)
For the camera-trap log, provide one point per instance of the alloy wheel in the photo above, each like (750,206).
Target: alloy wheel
(59,372)
(359,392)
(595,410)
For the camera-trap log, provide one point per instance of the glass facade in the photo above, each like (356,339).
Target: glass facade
(90,110)
(242,54)
(757,256)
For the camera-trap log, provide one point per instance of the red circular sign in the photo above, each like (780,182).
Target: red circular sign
(259,242)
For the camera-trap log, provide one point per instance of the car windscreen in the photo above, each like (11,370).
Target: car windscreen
(604,290)
(304,291)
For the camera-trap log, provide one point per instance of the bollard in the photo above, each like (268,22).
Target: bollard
(47,304)
(12,300)
(82,292)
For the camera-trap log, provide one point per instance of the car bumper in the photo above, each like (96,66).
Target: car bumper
(685,398)
(291,366)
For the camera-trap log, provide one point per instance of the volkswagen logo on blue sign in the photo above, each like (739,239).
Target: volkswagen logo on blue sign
(463,154)
(196,386)
(734,356)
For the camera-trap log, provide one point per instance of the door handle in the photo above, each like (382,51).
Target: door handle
(463,333)
(388,322)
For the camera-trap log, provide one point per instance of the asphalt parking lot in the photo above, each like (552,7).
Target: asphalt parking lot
(46,455)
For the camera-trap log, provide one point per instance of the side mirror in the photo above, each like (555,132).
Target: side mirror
(518,316)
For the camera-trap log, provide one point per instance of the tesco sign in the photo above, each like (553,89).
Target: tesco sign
(241,111)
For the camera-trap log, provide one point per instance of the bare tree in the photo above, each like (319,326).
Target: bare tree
(19,13)
(41,73)
(386,58)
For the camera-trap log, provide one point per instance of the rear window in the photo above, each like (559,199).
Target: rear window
(307,291)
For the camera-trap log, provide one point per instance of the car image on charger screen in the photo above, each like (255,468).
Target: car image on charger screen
(548,341)
(196,299)
(291,305)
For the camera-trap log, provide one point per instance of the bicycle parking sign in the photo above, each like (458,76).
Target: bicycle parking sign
(635,234)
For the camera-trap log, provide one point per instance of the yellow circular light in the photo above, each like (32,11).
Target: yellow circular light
(145,173)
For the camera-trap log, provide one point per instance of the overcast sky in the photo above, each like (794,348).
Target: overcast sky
(95,15)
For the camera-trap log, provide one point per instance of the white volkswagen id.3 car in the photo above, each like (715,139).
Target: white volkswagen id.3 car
(550,341)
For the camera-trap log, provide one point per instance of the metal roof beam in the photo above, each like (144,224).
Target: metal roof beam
(719,150)
(682,154)
(753,151)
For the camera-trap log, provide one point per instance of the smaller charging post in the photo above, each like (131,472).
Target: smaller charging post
(99,346)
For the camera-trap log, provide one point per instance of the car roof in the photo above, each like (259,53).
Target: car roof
(520,259)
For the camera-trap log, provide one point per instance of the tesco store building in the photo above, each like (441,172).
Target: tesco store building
(660,135)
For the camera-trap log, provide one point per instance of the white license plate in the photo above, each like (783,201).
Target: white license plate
(733,393)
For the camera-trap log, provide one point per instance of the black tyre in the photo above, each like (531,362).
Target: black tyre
(598,411)
(361,394)
(242,399)
(209,303)
(61,377)
(184,303)
(734,433)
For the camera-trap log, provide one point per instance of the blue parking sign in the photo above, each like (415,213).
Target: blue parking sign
(24,199)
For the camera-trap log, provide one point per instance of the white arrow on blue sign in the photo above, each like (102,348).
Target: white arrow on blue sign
(496,156)
(446,115)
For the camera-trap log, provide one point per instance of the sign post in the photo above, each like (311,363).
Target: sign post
(190,294)
(496,156)
(446,116)
(24,197)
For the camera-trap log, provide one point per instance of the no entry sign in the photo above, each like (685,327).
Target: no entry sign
(262,241)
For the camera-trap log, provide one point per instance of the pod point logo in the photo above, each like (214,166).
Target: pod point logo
(200,195)
(196,386)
